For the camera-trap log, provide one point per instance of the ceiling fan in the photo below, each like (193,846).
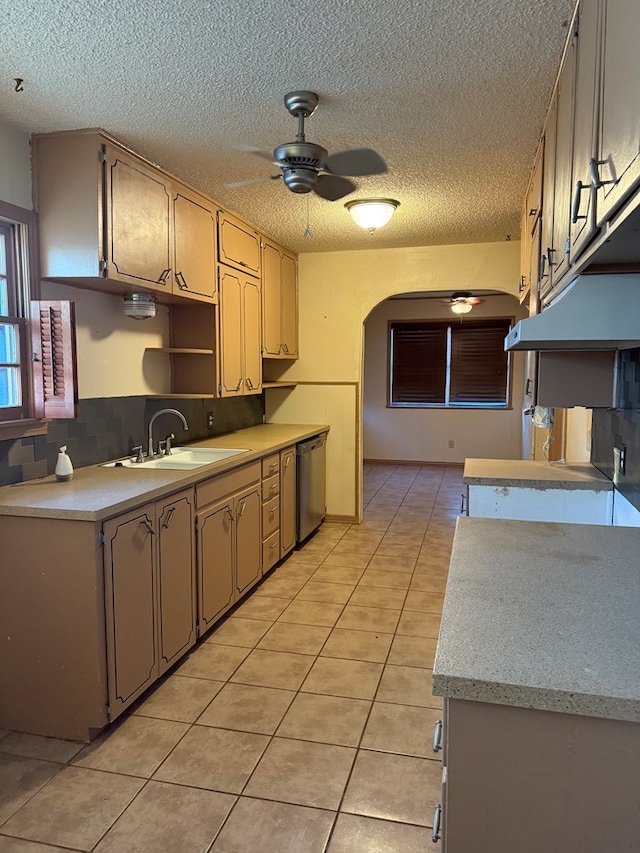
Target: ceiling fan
(461,302)
(306,167)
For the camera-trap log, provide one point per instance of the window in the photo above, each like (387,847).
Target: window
(37,339)
(449,364)
(14,388)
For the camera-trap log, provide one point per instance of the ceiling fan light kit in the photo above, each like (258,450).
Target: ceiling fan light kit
(372,213)
(462,302)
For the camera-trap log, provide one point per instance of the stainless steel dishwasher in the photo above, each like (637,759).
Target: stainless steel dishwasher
(310,477)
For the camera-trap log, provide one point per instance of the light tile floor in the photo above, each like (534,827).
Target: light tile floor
(302,723)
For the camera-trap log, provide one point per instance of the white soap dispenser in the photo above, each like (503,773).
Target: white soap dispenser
(64,468)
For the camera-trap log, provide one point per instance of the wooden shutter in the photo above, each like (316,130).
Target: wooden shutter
(479,364)
(53,342)
(418,363)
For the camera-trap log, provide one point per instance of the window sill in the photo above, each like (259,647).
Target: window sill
(23,428)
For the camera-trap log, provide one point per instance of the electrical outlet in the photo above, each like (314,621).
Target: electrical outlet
(452,444)
(209,420)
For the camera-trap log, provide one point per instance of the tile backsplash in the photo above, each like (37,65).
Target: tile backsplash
(108,427)
(620,427)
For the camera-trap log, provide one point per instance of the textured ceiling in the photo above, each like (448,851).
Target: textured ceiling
(452,94)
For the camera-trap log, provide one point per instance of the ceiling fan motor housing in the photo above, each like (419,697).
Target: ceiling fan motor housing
(300,163)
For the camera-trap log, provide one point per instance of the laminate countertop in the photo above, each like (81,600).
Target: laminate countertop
(542,615)
(534,475)
(96,493)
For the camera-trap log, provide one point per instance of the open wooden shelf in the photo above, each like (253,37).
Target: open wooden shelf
(279,384)
(181,350)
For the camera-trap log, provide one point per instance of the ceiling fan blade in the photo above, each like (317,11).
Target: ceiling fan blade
(357,162)
(333,187)
(248,181)
(249,149)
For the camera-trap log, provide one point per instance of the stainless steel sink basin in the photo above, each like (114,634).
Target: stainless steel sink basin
(181,459)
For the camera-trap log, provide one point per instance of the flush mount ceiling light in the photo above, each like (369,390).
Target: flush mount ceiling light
(140,306)
(372,213)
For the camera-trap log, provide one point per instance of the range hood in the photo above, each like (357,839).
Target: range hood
(597,312)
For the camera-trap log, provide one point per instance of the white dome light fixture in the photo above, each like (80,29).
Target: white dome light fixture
(461,307)
(140,306)
(372,213)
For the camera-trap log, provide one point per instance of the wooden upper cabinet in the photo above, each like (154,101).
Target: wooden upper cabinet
(240,363)
(583,221)
(238,244)
(138,216)
(619,135)
(194,244)
(289,297)
(111,221)
(252,334)
(279,302)
(558,250)
(548,190)
(530,225)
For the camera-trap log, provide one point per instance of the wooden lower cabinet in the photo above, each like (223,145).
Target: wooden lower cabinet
(229,537)
(526,780)
(149,571)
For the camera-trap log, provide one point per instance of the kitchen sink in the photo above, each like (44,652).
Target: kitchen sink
(181,459)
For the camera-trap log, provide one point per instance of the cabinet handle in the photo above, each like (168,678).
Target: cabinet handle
(182,284)
(275,545)
(163,278)
(243,263)
(273,468)
(543,263)
(575,204)
(462,504)
(596,180)
(437,736)
(243,506)
(239,385)
(527,387)
(148,525)
(285,349)
(287,459)
(437,817)
(169,518)
(229,513)
(249,384)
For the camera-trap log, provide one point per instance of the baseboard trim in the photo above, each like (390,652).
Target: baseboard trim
(412,462)
(342,519)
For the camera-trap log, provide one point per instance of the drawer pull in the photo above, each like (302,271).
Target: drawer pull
(437,736)
(437,817)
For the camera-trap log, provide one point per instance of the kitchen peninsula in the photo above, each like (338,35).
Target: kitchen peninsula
(538,661)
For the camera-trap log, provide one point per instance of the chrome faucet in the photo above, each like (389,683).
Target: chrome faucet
(152,421)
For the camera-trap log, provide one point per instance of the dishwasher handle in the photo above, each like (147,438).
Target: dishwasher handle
(304,447)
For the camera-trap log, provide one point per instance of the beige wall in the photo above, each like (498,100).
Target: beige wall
(338,290)
(578,435)
(111,347)
(424,434)
(15,166)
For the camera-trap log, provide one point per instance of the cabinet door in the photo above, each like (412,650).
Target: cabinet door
(548,184)
(620,116)
(238,244)
(584,129)
(138,220)
(289,302)
(130,593)
(271,315)
(288,503)
(195,245)
(559,258)
(248,515)
(215,563)
(176,578)
(252,335)
(231,334)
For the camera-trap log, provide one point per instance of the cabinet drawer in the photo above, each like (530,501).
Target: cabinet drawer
(215,488)
(270,551)
(271,487)
(270,517)
(270,465)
